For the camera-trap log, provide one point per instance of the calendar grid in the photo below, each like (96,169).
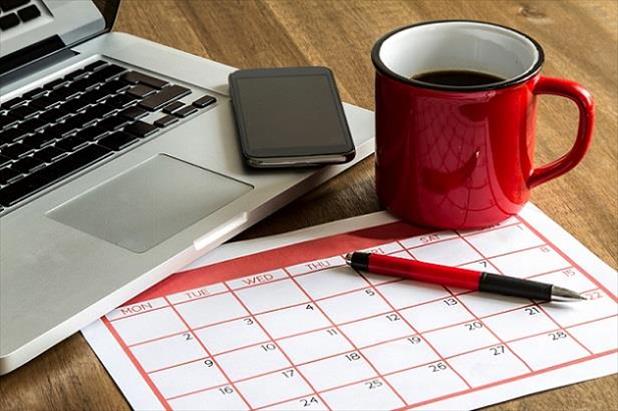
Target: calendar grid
(278,346)
(510,379)
(206,351)
(362,347)
(567,258)
(546,243)
(138,365)
(477,318)
(413,329)
(299,283)
(336,327)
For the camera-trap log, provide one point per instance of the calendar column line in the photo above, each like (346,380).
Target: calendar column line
(207,351)
(539,307)
(346,337)
(287,357)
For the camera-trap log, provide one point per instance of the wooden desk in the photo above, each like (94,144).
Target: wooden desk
(580,40)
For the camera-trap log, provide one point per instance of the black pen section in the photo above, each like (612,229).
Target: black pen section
(517,287)
(360,261)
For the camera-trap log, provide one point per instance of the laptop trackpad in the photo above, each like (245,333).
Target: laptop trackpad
(149,203)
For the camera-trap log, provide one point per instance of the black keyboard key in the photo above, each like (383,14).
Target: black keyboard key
(46,102)
(55,115)
(204,101)
(61,130)
(65,93)
(95,96)
(165,121)
(58,95)
(109,72)
(71,143)
(12,103)
(97,65)
(54,84)
(163,97)
(133,113)
(118,141)
(121,101)
(101,110)
(50,154)
(27,165)
(92,133)
(76,75)
(4,160)
(16,151)
(141,91)
(140,129)
(75,105)
(38,140)
(78,121)
(20,189)
(114,86)
(185,111)
(11,135)
(7,174)
(8,21)
(29,13)
(26,186)
(24,112)
(118,85)
(8,136)
(86,84)
(172,107)
(88,155)
(33,125)
(88,118)
(135,77)
(113,123)
(37,92)
(7,121)
(7,5)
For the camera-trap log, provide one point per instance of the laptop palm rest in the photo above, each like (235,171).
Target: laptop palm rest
(149,203)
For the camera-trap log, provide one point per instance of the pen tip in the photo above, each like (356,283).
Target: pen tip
(348,258)
(566,295)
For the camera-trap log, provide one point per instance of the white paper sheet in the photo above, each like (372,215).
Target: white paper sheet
(281,323)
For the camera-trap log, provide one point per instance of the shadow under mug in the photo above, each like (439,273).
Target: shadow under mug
(462,156)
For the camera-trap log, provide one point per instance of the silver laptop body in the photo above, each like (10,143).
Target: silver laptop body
(78,248)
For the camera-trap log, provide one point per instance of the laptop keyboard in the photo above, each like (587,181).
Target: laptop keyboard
(12,13)
(75,121)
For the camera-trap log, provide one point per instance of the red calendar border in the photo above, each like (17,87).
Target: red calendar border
(322,248)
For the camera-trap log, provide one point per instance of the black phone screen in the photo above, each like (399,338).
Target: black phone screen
(289,112)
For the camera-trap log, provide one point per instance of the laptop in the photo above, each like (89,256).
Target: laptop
(119,165)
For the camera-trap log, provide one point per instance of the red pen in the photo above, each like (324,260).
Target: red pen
(459,277)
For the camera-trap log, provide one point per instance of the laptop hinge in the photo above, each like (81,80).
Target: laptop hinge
(33,58)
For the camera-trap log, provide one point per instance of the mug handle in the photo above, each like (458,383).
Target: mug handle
(583,99)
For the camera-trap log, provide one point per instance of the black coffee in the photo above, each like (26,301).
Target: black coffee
(457,78)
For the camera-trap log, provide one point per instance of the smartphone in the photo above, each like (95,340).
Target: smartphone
(290,117)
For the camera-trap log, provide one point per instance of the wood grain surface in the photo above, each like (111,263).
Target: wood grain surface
(580,39)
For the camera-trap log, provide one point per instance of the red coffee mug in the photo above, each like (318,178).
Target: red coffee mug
(462,156)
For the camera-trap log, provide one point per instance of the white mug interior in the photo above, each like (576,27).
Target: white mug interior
(459,45)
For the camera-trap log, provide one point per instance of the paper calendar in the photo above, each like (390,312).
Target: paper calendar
(281,323)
